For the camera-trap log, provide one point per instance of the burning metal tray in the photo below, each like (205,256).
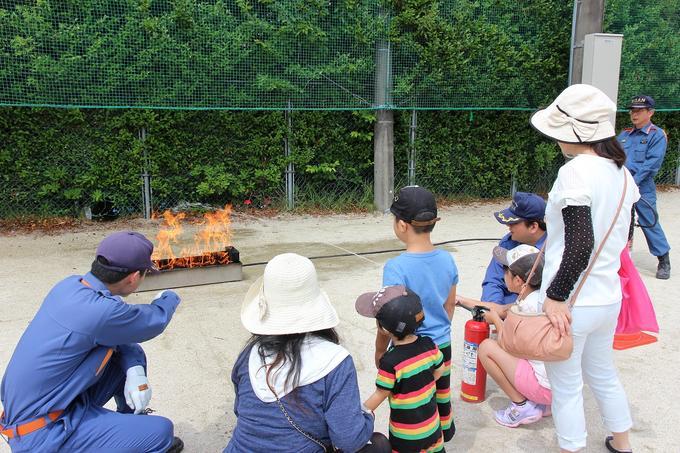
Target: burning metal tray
(194,271)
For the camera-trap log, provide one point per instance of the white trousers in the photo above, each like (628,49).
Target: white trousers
(593,362)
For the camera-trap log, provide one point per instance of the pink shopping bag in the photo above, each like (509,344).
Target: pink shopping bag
(637,313)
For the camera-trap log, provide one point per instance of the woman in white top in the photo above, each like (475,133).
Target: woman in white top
(581,207)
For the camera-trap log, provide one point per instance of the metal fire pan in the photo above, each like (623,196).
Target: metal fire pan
(177,278)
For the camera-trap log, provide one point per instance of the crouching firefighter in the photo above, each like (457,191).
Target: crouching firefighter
(79,351)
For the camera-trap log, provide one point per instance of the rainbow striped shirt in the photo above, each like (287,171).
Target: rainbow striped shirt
(407,372)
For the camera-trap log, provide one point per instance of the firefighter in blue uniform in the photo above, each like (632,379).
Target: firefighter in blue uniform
(645,146)
(79,351)
(524,219)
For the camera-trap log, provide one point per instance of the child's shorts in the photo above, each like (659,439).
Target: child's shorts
(527,384)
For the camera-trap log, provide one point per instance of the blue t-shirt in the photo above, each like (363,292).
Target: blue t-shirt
(430,275)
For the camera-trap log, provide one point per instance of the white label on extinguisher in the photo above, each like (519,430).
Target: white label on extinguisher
(470,363)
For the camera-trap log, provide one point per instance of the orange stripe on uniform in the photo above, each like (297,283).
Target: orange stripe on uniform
(107,357)
(28,428)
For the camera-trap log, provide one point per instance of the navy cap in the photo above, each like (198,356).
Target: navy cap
(642,102)
(524,206)
(415,205)
(126,251)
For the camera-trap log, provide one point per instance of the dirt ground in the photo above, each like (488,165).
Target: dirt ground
(190,363)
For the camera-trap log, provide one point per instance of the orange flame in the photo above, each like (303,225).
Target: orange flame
(209,246)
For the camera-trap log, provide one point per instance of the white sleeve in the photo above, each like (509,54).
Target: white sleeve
(571,188)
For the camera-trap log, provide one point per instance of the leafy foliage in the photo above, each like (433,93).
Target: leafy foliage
(197,55)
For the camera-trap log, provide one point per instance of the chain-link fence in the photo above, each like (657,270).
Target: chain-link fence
(148,97)
(56,162)
(317,54)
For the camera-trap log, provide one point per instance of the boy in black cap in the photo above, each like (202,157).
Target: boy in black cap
(407,371)
(432,274)
(645,146)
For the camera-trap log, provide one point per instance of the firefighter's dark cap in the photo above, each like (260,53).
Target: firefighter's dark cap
(642,102)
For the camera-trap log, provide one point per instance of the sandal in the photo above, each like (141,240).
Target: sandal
(610,447)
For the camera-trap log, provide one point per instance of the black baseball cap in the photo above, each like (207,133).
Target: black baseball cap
(415,205)
(642,102)
(397,309)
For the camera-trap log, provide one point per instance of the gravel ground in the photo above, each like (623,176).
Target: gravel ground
(190,363)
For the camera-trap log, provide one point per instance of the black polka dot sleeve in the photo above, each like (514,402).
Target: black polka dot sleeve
(579,242)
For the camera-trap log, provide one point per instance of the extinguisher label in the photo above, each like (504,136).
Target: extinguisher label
(470,363)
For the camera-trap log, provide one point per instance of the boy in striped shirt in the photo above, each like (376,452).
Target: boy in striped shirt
(407,372)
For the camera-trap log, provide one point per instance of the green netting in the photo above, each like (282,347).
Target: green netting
(650,61)
(317,54)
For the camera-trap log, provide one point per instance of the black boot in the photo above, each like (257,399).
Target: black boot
(663,272)
(177,445)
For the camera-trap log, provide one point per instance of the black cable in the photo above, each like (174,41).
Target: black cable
(654,211)
(377,252)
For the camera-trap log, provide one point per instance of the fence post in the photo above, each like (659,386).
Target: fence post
(383,132)
(587,18)
(412,149)
(677,168)
(146,177)
(290,167)
(513,186)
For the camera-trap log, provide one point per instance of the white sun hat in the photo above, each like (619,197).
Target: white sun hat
(287,299)
(580,114)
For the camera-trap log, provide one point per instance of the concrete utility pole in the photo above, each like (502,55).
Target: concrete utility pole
(587,18)
(383,131)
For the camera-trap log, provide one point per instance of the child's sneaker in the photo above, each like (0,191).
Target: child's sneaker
(546,409)
(515,415)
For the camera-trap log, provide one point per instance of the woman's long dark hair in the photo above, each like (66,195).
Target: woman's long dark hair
(286,349)
(611,149)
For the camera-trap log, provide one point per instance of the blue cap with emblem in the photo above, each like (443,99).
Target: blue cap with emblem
(642,102)
(524,206)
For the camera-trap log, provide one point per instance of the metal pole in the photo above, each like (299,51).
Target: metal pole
(574,18)
(677,169)
(146,177)
(383,132)
(589,17)
(412,149)
(290,167)
(513,185)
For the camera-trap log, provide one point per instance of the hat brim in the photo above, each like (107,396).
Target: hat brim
(565,133)
(309,316)
(638,106)
(500,254)
(506,217)
(364,304)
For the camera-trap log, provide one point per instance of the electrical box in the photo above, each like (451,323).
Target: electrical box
(602,62)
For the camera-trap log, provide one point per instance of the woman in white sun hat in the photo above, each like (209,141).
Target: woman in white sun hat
(296,387)
(580,210)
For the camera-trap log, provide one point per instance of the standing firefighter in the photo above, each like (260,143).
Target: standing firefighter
(79,351)
(645,146)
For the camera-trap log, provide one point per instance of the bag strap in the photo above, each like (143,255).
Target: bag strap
(292,422)
(604,239)
(572,300)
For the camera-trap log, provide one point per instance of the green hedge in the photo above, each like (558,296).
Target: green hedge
(56,161)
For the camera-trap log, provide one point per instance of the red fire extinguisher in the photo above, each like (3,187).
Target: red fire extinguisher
(473,385)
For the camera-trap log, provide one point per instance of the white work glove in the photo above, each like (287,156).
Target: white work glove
(137,391)
(160,294)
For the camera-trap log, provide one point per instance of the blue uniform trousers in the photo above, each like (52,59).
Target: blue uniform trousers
(656,239)
(94,428)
